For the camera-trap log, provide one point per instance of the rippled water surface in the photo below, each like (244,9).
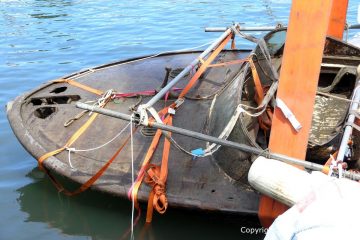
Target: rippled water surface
(45,39)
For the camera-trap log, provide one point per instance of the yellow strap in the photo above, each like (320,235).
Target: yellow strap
(79,85)
(73,138)
(81,130)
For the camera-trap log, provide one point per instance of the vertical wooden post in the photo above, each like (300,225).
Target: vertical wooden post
(299,75)
(338,18)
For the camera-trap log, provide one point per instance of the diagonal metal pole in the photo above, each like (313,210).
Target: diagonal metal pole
(222,142)
(262,28)
(185,71)
(354,106)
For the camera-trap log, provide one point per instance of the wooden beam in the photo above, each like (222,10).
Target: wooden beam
(299,75)
(338,19)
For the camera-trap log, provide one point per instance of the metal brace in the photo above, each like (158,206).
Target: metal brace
(288,114)
(178,102)
(141,116)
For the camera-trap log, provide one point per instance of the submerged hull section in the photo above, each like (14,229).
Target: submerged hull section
(38,118)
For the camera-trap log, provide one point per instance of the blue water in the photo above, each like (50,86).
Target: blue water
(45,39)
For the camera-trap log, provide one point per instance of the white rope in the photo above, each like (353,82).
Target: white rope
(93,149)
(98,147)
(103,99)
(141,59)
(212,148)
(132,178)
(70,159)
(230,126)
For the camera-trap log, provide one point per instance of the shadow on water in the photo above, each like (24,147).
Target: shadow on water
(101,216)
(58,6)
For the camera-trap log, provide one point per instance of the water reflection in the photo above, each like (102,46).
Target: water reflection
(89,214)
(269,11)
(54,3)
(101,216)
(47,15)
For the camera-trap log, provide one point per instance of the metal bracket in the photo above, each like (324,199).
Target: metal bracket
(178,102)
(288,114)
(141,116)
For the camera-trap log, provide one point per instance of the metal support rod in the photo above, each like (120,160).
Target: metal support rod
(168,87)
(354,26)
(262,28)
(222,142)
(354,106)
(248,29)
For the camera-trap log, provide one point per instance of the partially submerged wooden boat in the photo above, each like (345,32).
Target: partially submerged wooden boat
(46,118)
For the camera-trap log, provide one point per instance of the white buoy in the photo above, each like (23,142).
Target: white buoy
(282,181)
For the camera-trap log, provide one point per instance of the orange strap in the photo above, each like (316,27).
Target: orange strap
(266,117)
(79,85)
(326,169)
(238,61)
(328,162)
(155,177)
(258,86)
(135,189)
(204,66)
(157,198)
(233,45)
(72,139)
(92,180)
(201,70)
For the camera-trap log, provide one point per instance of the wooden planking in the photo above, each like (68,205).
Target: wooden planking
(338,18)
(299,75)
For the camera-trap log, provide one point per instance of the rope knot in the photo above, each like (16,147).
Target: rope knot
(160,202)
(153,175)
(152,178)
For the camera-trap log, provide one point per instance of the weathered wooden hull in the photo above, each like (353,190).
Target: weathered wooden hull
(37,120)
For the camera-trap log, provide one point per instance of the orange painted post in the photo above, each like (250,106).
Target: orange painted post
(338,18)
(299,75)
